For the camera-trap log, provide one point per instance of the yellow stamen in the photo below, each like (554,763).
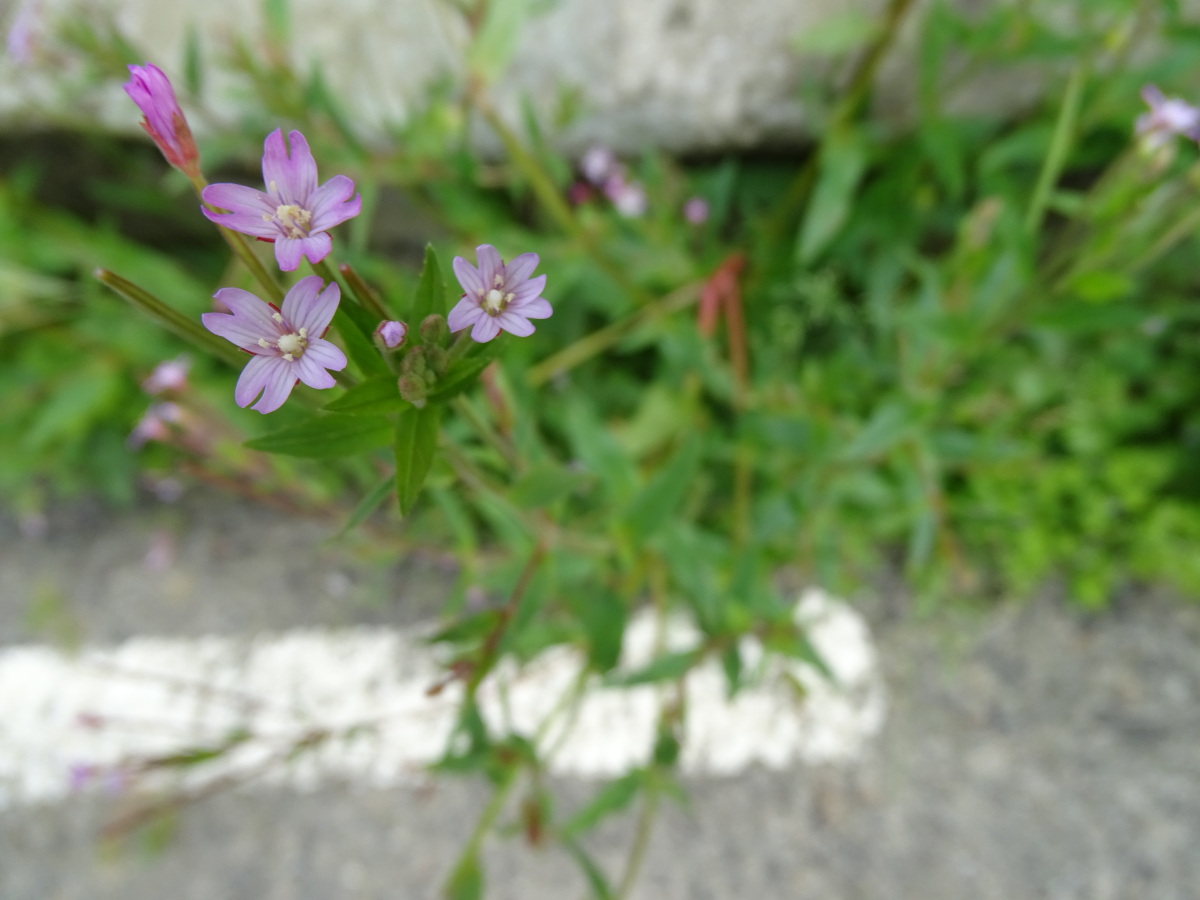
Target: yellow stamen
(294,220)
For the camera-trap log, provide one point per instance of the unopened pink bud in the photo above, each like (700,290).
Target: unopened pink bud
(390,335)
(162,118)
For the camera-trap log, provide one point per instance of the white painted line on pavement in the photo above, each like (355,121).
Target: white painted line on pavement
(98,710)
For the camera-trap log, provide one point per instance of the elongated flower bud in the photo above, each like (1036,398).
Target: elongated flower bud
(162,118)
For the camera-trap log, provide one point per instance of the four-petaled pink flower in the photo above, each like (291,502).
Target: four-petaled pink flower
(498,295)
(162,118)
(293,212)
(287,343)
(1168,117)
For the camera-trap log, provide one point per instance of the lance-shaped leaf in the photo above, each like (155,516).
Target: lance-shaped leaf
(416,443)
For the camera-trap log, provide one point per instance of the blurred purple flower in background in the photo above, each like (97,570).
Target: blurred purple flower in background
(600,167)
(24,34)
(293,212)
(498,296)
(162,118)
(696,210)
(1168,117)
(168,376)
(287,344)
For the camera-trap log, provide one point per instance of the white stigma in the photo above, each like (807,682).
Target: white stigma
(493,301)
(292,345)
(294,220)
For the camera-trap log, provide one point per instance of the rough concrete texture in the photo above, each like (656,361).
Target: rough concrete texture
(1031,751)
(686,75)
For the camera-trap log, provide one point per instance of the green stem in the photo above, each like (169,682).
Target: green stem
(852,101)
(324,270)
(641,842)
(239,244)
(1060,145)
(367,298)
(489,434)
(551,197)
(172,319)
(490,813)
(600,340)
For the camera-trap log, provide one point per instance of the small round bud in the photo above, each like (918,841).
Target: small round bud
(414,362)
(434,330)
(413,389)
(438,359)
(389,336)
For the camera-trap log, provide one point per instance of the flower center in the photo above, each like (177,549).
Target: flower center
(294,220)
(290,346)
(493,301)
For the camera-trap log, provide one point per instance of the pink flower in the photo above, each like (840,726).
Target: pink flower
(287,344)
(628,197)
(390,335)
(293,213)
(162,118)
(696,211)
(1167,118)
(498,296)
(168,376)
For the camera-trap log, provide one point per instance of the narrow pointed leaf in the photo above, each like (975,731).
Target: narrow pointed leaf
(326,437)
(416,443)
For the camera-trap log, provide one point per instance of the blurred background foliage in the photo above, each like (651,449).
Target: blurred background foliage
(964,346)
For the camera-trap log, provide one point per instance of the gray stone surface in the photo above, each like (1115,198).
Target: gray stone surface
(686,75)
(1030,751)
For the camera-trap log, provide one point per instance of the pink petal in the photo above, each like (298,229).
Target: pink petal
(307,306)
(519,269)
(290,179)
(316,247)
(288,252)
(537,308)
(250,310)
(228,327)
(237,198)
(325,354)
(529,290)
(485,329)
(468,276)
(272,375)
(489,263)
(515,324)
(330,204)
(312,374)
(466,312)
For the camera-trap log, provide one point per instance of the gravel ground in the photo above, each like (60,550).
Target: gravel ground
(1032,751)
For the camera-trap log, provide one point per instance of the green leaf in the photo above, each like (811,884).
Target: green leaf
(430,296)
(890,423)
(667,667)
(468,630)
(327,437)
(594,444)
(466,881)
(838,33)
(612,798)
(462,376)
(355,326)
(367,505)
(843,163)
(655,505)
(603,616)
(543,484)
(591,871)
(377,396)
(193,68)
(416,443)
(496,40)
